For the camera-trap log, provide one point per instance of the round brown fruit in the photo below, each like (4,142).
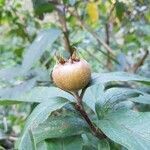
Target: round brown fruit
(72,75)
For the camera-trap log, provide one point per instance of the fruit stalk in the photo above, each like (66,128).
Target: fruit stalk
(79,107)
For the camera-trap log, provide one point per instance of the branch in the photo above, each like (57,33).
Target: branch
(140,62)
(79,107)
(60,8)
(111,11)
(94,34)
(107,33)
(100,62)
(107,40)
(109,64)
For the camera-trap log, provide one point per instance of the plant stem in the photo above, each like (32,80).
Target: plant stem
(140,62)
(62,19)
(107,40)
(79,107)
(94,34)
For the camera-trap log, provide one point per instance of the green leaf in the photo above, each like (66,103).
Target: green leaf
(44,40)
(39,115)
(88,147)
(92,95)
(125,105)
(116,95)
(59,127)
(33,144)
(144,99)
(37,94)
(118,77)
(101,101)
(93,143)
(2,3)
(72,2)
(68,143)
(42,6)
(96,98)
(128,128)
(103,145)
(42,145)
(12,95)
(3,135)
(9,73)
(120,9)
(143,29)
(113,97)
(41,94)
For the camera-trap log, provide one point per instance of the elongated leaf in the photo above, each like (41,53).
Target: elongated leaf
(93,94)
(41,94)
(92,143)
(125,105)
(72,2)
(10,95)
(120,9)
(117,77)
(42,6)
(3,135)
(37,94)
(33,144)
(115,95)
(128,128)
(42,145)
(103,145)
(144,99)
(9,73)
(39,115)
(68,143)
(36,49)
(59,127)
(88,147)
(2,148)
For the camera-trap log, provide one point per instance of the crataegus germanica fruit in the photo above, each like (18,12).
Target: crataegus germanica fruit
(72,75)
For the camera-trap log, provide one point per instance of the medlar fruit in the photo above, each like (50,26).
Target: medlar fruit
(71,75)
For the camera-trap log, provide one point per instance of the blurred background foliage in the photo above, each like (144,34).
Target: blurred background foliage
(113,35)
